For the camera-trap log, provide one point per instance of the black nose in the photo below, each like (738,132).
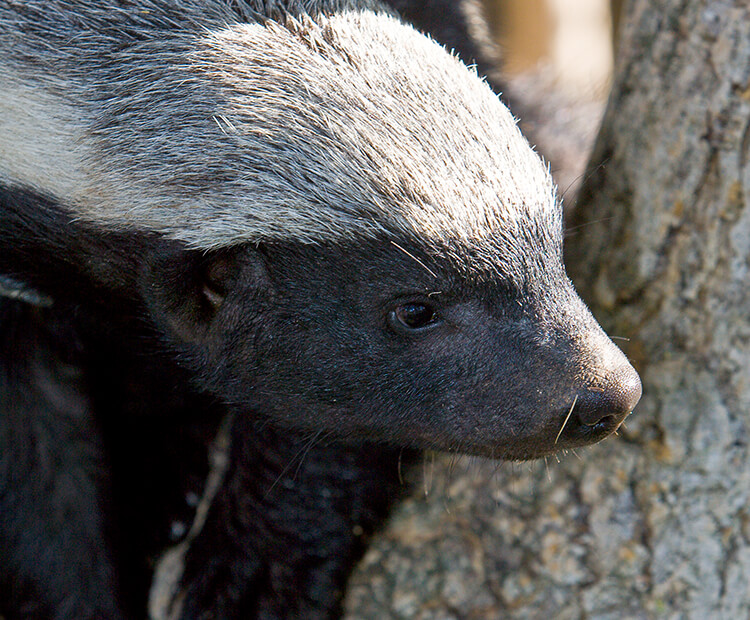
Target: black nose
(601,406)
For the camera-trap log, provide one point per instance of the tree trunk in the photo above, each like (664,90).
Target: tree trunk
(663,249)
(655,522)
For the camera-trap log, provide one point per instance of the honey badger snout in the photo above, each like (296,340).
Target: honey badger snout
(609,390)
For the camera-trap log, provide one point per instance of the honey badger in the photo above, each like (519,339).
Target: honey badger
(304,219)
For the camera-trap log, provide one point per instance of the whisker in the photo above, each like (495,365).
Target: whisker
(428,479)
(567,417)
(302,451)
(585,175)
(310,444)
(430,271)
(571,229)
(452,467)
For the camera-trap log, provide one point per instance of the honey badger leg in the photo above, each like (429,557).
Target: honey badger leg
(55,558)
(284,532)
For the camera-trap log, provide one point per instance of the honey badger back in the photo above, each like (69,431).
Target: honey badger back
(309,216)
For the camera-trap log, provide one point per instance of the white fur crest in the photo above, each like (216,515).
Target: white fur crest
(318,124)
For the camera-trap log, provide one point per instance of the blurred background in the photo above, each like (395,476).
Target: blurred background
(572,39)
(555,61)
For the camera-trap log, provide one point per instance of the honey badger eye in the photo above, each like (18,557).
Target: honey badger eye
(413,316)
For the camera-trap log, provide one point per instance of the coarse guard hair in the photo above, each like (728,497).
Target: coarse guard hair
(219,122)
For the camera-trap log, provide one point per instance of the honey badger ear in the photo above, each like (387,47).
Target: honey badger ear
(184,288)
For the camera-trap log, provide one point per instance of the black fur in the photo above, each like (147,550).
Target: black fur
(88,493)
(103,436)
(296,514)
(54,499)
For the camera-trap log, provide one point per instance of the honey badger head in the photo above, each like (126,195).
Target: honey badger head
(338,225)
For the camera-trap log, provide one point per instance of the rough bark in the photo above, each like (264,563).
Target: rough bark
(666,257)
(655,522)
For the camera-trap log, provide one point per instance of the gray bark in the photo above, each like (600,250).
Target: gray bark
(654,523)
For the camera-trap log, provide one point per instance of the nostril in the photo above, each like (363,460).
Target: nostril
(608,404)
(604,424)
(600,407)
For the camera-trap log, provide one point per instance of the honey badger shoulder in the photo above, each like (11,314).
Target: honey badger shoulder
(305,219)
